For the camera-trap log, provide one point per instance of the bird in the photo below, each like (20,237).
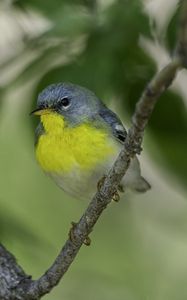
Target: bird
(77,140)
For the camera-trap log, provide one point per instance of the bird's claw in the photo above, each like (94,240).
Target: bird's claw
(116,196)
(87,241)
(137,149)
(100,182)
(71,232)
(72,237)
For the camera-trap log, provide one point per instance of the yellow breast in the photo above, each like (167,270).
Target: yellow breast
(62,148)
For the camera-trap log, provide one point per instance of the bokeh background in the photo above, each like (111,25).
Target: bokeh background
(139,246)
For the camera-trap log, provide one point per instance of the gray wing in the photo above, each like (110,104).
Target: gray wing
(133,178)
(115,124)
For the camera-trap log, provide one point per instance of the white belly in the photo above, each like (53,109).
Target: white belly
(82,184)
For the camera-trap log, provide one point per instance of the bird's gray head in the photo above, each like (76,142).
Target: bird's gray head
(74,102)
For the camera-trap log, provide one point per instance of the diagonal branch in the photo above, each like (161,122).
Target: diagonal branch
(36,289)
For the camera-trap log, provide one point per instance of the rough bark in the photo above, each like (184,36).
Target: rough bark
(13,280)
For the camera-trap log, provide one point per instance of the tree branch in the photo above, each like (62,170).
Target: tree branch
(13,279)
(36,289)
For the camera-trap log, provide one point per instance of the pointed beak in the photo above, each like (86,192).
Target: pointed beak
(41,111)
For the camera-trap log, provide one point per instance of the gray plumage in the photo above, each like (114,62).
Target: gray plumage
(92,109)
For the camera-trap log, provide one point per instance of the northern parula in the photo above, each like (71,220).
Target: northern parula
(78,139)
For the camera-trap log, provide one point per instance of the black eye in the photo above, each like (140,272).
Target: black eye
(64,102)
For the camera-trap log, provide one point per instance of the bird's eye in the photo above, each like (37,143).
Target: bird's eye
(64,102)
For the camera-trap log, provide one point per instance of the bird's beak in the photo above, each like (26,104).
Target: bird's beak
(41,111)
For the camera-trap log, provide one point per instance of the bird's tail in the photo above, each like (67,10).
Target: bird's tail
(141,185)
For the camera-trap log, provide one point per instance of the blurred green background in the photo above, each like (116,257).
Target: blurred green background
(139,246)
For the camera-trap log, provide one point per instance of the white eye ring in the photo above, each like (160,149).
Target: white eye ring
(64,103)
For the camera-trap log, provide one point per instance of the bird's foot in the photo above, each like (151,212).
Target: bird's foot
(137,149)
(100,182)
(116,196)
(71,234)
(87,241)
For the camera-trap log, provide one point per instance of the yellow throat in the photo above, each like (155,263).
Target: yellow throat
(63,148)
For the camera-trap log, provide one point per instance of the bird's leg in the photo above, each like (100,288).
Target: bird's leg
(116,196)
(100,182)
(87,240)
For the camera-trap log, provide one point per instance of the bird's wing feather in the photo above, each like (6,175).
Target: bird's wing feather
(114,123)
